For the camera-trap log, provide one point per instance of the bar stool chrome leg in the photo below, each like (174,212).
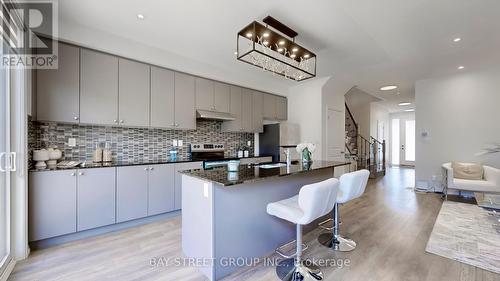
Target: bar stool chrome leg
(333,240)
(296,269)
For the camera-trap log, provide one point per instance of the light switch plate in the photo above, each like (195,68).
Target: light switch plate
(174,143)
(249,143)
(71,142)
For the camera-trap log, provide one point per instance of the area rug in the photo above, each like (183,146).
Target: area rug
(465,233)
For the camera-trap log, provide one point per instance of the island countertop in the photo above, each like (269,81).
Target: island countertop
(250,173)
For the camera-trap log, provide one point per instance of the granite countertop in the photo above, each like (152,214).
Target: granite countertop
(251,173)
(89,165)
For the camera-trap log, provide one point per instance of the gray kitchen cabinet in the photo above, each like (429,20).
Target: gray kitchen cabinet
(246,111)
(281,108)
(52,204)
(257,112)
(161,189)
(269,111)
(98,88)
(178,180)
(133,97)
(96,198)
(185,113)
(236,98)
(204,94)
(162,98)
(131,193)
(58,89)
(222,96)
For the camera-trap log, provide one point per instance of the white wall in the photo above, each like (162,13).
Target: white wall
(461,113)
(379,113)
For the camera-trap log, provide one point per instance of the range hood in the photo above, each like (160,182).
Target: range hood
(212,115)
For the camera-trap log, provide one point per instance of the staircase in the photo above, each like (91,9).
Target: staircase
(364,153)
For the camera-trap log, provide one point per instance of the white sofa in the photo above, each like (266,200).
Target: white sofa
(489,184)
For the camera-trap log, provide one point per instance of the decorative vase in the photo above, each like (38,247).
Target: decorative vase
(306,155)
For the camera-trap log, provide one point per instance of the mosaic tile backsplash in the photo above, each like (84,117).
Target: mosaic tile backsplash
(131,144)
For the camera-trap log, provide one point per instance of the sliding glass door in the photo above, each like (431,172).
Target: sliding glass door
(4,166)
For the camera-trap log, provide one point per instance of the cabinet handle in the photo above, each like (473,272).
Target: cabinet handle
(121,121)
(72,174)
(177,125)
(80,173)
(151,168)
(145,169)
(115,121)
(76,117)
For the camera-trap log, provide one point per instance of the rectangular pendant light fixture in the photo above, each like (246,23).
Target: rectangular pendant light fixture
(275,51)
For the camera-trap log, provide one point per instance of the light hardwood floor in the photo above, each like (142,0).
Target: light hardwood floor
(390,222)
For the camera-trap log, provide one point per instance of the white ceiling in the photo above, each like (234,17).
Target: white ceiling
(368,43)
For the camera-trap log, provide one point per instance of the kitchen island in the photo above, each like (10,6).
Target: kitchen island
(224,220)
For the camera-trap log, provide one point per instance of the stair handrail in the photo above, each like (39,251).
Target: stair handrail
(352,117)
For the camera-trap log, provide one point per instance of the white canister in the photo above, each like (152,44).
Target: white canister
(246,153)
(240,153)
(233,166)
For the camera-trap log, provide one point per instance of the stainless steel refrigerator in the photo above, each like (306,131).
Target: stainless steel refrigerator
(276,137)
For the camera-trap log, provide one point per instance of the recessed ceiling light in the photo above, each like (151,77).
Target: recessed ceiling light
(140,16)
(461,67)
(409,110)
(388,88)
(404,103)
(282,42)
(458,39)
(265,35)
(306,56)
(249,34)
(295,49)
(293,56)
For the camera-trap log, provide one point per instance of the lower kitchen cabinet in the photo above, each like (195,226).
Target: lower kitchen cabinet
(52,204)
(96,198)
(161,189)
(131,193)
(178,180)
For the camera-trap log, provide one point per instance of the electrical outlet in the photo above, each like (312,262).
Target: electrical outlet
(174,143)
(180,142)
(249,143)
(71,142)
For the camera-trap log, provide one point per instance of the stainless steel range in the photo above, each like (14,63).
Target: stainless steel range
(211,154)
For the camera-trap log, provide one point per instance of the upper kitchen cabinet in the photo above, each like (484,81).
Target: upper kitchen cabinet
(98,88)
(257,112)
(204,94)
(246,111)
(185,113)
(275,107)
(222,95)
(269,109)
(58,89)
(281,108)
(162,98)
(235,109)
(133,101)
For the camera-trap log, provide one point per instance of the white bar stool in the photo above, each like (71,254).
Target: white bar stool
(313,201)
(352,186)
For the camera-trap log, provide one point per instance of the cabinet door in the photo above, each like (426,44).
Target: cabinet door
(58,91)
(222,97)
(269,107)
(133,105)
(52,204)
(246,111)
(204,94)
(98,88)
(161,189)
(281,108)
(257,112)
(178,180)
(235,110)
(162,98)
(96,198)
(185,113)
(131,193)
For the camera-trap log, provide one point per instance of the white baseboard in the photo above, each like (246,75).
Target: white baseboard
(8,270)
